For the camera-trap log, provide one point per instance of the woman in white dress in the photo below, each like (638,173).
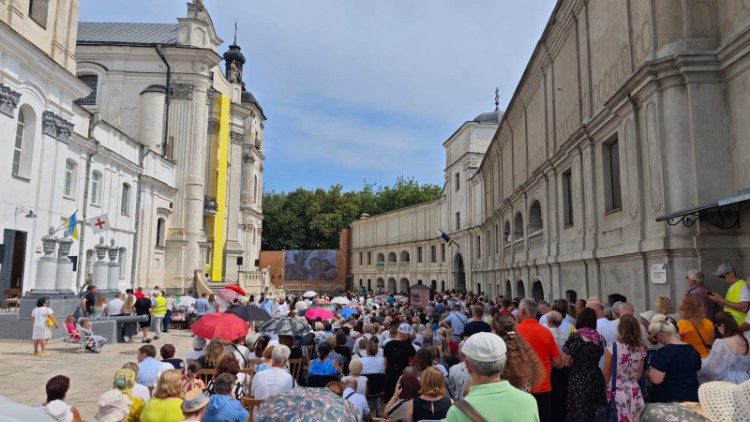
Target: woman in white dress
(729,359)
(41,331)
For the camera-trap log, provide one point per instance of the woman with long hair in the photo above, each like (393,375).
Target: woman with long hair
(229,365)
(694,328)
(129,329)
(729,359)
(165,405)
(674,367)
(407,388)
(422,360)
(448,347)
(523,369)
(631,355)
(433,401)
(189,380)
(581,353)
(214,354)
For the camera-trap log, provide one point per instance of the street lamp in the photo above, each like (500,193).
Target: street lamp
(29,212)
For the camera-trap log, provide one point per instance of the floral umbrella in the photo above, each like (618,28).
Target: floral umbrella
(227,294)
(222,326)
(309,404)
(284,326)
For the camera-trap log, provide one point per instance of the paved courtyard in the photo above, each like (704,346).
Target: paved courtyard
(25,375)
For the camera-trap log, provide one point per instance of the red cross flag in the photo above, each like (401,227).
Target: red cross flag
(99,224)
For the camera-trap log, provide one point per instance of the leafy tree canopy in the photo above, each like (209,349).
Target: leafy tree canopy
(312,219)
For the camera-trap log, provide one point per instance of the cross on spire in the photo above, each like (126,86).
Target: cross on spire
(235,32)
(497,98)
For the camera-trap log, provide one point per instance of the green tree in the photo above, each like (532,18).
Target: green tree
(312,219)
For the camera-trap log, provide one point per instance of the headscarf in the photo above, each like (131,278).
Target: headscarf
(590,334)
(124,381)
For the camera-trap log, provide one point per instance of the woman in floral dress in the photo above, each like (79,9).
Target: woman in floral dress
(581,352)
(631,355)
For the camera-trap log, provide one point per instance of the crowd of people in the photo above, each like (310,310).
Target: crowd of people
(463,357)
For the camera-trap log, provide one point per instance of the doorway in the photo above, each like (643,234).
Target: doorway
(12,260)
(458,273)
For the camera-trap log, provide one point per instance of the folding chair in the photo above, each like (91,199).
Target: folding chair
(295,366)
(84,339)
(70,340)
(205,375)
(250,405)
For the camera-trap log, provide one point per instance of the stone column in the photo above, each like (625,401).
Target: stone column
(64,276)
(101,272)
(46,272)
(113,273)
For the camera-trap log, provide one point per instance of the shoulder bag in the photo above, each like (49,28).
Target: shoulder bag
(706,345)
(608,412)
(469,411)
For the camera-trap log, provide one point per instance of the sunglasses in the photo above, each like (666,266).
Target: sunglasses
(723,275)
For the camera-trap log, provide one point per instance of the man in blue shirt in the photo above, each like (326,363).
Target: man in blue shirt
(202,306)
(456,321)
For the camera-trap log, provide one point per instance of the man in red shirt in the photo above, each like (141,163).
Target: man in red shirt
(139,293)
(543,342)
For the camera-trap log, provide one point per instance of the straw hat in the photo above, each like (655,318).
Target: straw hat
(194,401)
(725,402)
(113,406)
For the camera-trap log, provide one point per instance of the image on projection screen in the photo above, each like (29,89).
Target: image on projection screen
(317,265)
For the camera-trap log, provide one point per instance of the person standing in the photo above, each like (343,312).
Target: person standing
(490,396)
(543,342)
(202,306)
(143,307)
(158,311)
(694,328)
(89,301)
(674,367)
(631,355)
(606,328)
(280,309)
(695,287)
(42,329)
(585,383)
(456,320)
(737,301)
(114,306)
(397,354)
(476,324)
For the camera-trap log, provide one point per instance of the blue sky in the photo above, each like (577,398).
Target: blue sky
(363,89)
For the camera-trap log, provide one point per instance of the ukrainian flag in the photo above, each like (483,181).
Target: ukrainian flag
(446,238)
(72,229)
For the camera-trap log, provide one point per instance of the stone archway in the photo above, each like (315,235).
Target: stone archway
(571,296)
(537,291)
(403,286)
(508,289)
(520,289)
(391,287)
(380,284)
(459,276)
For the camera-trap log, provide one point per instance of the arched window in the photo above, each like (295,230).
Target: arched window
(537,291)
(479,288)
(404,256)
(91,81)
(380,258)
(520,289)
(70,185)
(518,227)
(506,233)
(23,147)
(160,229)
(442,285)
(433,285)
(392,257)
(369,284)
(125,202)
(535,218)
(571,296)
(508,290)
(96,188)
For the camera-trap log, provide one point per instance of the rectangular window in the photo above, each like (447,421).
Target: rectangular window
(369,258)
(458,182)
(497,238)
(18,147)
(69,186)
(360,258)
(458,221)
(442,253)
(611,174)
(96,181)
(567,198)
(433,253)
(125,203)
(92,82)
(419,254)
(479,247)
(38,11)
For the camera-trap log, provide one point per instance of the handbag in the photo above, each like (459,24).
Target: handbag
(50,321)
(608,412)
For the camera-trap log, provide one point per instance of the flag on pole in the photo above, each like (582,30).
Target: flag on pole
(99,224)
(72,228)
(447,239)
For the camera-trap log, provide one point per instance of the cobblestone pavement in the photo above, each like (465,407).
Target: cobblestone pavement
(24,375)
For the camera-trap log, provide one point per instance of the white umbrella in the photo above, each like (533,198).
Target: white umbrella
(300,306)
(340,300)
(310,294)
(12,411)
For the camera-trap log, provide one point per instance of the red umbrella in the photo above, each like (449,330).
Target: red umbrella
(222,326)
(237,289)
(315,313)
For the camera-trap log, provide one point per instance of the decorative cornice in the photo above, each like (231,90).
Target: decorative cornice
(56,126)
(8,100)
(236,138)
(182,92)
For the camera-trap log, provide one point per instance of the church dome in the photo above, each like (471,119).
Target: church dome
(234,54)
(491,117)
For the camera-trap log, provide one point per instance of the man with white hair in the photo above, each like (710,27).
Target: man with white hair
(274,380)
(606,328)
(490,397)
(695,280)
(350,394)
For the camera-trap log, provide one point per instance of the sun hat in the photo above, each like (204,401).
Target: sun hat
(484,347)
(648,315)
(113,406)
(405,328)
(723,269)
(194,401)
(724,401)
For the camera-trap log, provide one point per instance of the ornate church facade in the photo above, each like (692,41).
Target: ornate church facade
(619,164)
(138,122)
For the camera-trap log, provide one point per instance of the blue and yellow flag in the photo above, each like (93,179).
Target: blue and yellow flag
(72,229)
(446,238)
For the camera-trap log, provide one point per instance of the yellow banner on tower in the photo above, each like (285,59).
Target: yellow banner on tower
(222,164)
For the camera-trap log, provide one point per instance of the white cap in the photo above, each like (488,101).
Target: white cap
(405,328)
(484,347)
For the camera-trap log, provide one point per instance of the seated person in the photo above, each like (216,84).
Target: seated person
(149,369)
(350,394)
(72,330)
(324,365)
(222,407)
(229,365)
(274,380)
(167,355)
(93,342)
